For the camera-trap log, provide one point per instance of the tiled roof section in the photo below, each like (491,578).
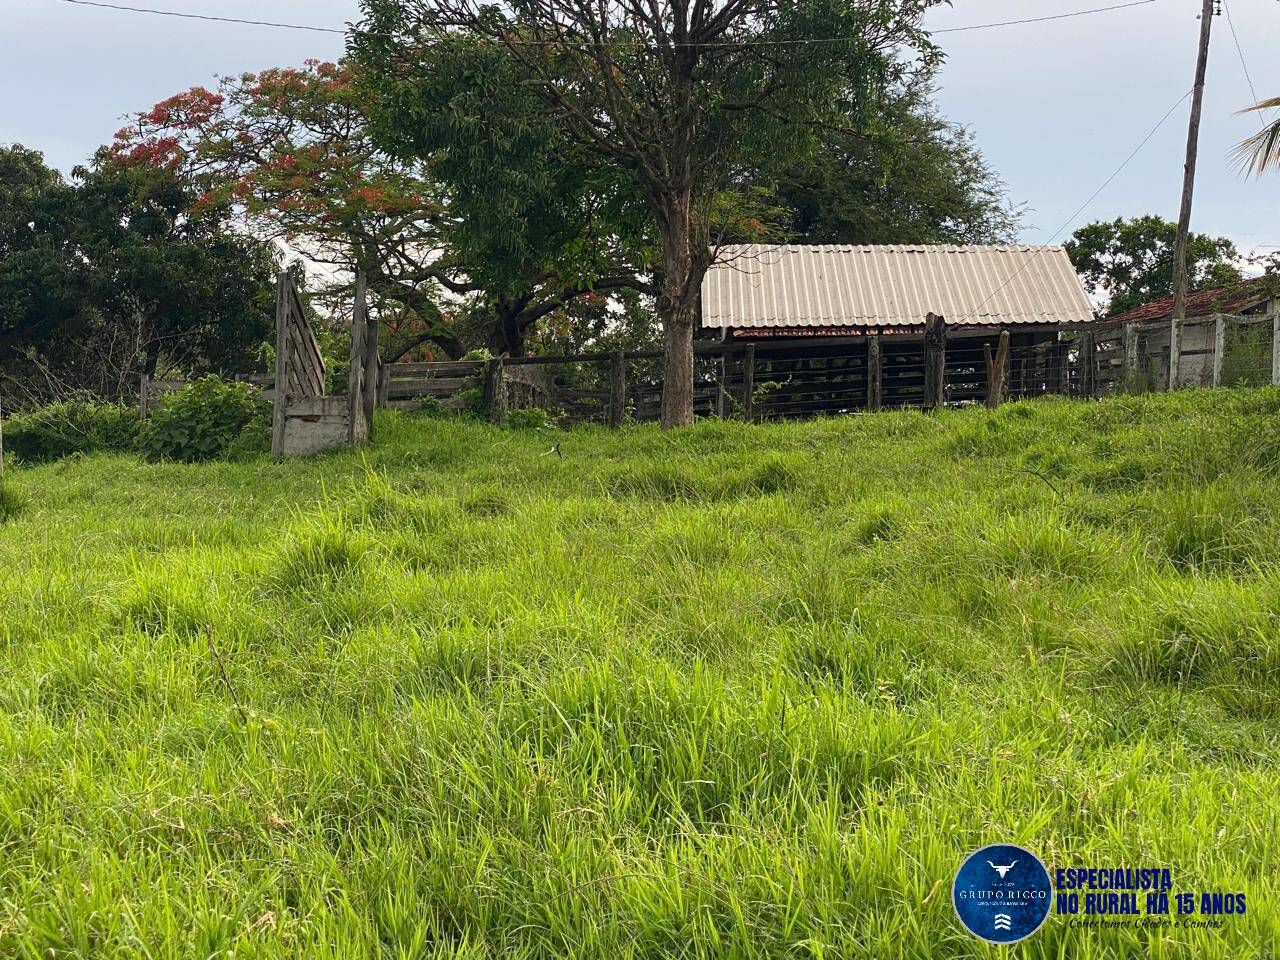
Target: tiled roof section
(870,286)
(1205,303)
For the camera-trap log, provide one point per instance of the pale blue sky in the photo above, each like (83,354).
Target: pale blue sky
(1055,106)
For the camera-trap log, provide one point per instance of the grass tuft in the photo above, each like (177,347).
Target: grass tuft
(11,501)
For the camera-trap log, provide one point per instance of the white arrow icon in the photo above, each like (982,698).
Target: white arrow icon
(1003,921)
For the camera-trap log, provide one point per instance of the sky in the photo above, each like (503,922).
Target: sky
(1056,107)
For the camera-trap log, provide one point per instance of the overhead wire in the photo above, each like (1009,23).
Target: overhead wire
(1084,206)
(103,4)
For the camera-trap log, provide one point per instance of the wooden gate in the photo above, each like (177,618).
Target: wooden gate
(305,420)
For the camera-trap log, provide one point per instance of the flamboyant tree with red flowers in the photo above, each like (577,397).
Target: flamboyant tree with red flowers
(291,152)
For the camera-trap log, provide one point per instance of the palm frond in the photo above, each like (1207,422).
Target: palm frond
(1262,150)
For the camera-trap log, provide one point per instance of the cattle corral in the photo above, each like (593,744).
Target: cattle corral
(803,332)
(787,379)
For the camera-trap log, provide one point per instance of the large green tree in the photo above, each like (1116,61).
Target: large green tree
(1126,263)
(40,289)
(684,98)
(115,273)
(901,174)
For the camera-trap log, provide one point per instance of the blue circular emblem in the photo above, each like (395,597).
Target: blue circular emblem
(1002,893)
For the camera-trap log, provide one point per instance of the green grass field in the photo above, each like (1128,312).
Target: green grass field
(733,691)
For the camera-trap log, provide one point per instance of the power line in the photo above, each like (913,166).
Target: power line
(1240,50)
(1058,16)
(298,26)
(202,16)
(1084,206)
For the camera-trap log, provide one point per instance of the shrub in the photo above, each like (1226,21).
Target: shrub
(531,418)
(73,426)
(201,422)
(472,400)
(254,440)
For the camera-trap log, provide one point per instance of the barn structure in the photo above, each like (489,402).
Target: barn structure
(832,328)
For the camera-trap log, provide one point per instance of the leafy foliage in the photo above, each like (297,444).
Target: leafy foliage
(530,418)
(456,251)
(1261,151)
(115,273)
(70,427)
(1126,263)
(203,421)
(901,174)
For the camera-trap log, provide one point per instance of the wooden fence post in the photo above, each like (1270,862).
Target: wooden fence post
(372,362)
(358,414)
(1219,347)
(722,388)
(144,398)
(1275,347)
(1129,371)
(384,382)
(875,373)
(1062,349)
(749,383)
(935,361)
(282,362)
(495,391)
(617,388)
(1088,382)
(995,370)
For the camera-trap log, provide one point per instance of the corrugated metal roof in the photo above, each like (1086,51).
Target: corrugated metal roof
(847,286)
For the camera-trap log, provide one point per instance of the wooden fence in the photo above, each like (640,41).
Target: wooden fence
(1221,350)
(776,379)
(304,419)
(789,378)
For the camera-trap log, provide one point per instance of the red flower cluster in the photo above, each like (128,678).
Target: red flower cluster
(164,152)
(185,110)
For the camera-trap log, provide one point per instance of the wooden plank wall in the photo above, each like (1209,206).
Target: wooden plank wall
(406,386)
(1214,351)
(304,363)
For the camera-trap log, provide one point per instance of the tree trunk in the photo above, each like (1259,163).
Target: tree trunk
(682,270)
(677,367)
(506,331)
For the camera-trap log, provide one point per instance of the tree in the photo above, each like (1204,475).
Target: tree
(683,97)
(1126,263)
(285,152)
(112,275)
(539,222)
(907,176)
(292,153)
(1262,150)
(39,293)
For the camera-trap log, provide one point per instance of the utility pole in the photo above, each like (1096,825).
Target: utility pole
(1180,278)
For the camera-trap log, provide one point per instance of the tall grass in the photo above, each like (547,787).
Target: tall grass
(732,691)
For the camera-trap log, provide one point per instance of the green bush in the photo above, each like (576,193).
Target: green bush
(73,426)
(202,422)
(254,440)
(531,418)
